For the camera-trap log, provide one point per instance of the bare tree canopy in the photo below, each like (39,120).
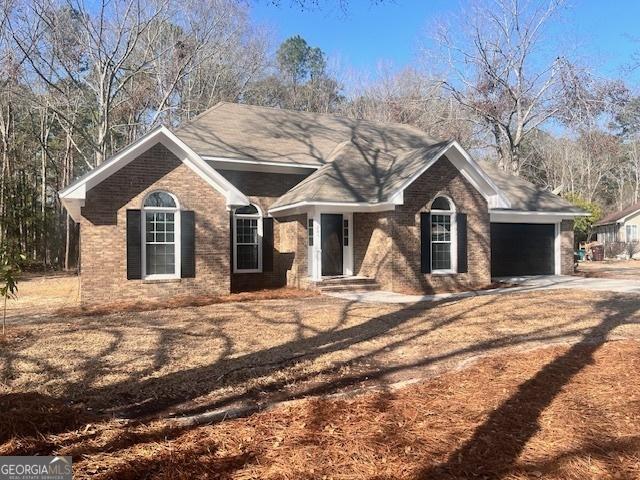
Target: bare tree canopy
(502,68)
(80,80)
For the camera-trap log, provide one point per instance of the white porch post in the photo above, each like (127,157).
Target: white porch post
(315,251)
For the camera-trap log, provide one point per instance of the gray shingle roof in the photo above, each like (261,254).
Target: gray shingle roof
(269,134)
(359,173)
(360,161)
(524,195)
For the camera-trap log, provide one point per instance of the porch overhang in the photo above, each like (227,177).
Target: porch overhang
(338,207)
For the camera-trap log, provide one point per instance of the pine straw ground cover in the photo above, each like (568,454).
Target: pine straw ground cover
(193,359)
(63,380)
(562,412)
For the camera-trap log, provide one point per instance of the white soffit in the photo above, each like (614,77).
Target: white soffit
(521,216)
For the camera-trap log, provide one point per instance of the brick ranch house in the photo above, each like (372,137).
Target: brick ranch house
(246,197)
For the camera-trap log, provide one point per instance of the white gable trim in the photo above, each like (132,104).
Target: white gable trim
(458,157)
(471,171)
(73,197)
(627,217)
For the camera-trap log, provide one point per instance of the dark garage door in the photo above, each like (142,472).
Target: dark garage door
(522,249)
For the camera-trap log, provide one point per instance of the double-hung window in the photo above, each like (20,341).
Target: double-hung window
(632,233)
(161,220)
(247,239)
(442,236)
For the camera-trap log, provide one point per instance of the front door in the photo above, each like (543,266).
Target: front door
(331,244)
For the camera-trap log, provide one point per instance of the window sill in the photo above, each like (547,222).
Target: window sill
(161,280)
(247,271)
(443,273)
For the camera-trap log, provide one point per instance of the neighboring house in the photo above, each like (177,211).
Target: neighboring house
(622,227)
(246,197)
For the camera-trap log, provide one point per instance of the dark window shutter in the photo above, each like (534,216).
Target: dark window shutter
(134,244)
(267,244)
(425,242)
(461,225)
(187,244)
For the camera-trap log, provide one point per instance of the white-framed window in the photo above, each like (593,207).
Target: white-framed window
(247,239)
(160,236)
(631,233)
(443,236)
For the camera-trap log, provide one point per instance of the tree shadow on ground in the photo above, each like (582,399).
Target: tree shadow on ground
(496,445)
(173,389)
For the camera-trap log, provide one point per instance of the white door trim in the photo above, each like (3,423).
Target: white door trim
(315,251)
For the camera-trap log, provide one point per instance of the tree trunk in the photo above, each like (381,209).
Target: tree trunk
(43,205)
(4,317)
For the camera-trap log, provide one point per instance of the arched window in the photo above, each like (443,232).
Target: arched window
(247,239)
(161,236)
(443,251)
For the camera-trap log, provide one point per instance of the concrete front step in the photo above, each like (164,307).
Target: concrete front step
(364,287)
(345,281)
(347,284)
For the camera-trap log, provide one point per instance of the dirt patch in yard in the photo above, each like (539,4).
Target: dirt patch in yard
(624,269)
(39,295)
(562,412)
(186,301)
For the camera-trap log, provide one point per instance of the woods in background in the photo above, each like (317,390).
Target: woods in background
(79,81)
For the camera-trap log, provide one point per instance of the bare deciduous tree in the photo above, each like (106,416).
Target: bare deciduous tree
(499,71)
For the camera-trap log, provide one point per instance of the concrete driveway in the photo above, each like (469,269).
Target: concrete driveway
(534,283)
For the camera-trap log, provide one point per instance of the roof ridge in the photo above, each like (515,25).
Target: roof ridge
(200,115)
(317,175)
(323,114)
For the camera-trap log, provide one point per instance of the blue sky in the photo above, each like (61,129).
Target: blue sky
(368,34)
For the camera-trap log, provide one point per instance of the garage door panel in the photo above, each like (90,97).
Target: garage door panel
(522,249)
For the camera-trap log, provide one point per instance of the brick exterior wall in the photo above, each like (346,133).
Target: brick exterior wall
(103,231)
(566,247)
(293,243)
(386,246)
(373,247)
(392,252)
(289,258)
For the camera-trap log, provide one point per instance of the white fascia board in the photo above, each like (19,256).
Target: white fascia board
(626,217)
(113,164)
(521,216)
(234,196)
(334,206)
(499,199)
(397,198)
(470,170)
(162,135)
